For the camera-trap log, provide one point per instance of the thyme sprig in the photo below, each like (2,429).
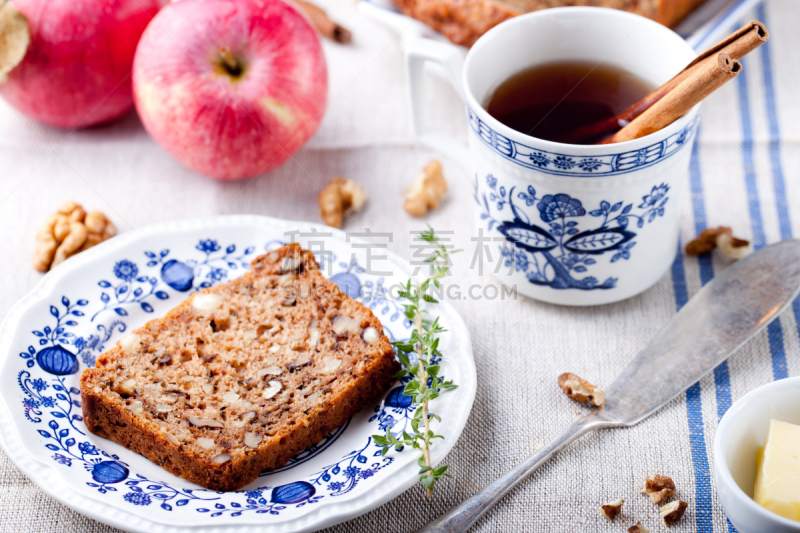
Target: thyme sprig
(426,384)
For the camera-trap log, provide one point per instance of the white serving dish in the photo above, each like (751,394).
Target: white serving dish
(741,433)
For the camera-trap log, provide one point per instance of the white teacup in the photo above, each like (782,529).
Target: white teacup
(575,224)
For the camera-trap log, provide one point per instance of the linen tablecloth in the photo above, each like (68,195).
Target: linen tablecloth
(744,172)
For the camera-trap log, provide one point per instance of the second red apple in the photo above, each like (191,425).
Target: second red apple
(230,88)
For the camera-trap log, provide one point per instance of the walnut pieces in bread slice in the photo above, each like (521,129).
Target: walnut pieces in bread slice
(242,376)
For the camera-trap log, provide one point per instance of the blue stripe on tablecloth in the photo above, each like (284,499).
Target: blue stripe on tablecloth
(784,219)
(694,411)
(702,477)
(721,375)
(774,330)
(679,280)
(699,209)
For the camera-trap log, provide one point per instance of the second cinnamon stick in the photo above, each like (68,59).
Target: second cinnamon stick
(324,25)
(709,76)
(736,46)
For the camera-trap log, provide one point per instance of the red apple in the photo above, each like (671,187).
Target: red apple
(68,62)
(230,88)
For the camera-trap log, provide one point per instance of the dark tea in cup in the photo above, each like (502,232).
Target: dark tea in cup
(550,101)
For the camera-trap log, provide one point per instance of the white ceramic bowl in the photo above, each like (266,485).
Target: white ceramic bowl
(741,433)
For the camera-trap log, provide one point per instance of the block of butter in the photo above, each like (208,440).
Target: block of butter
(778,476)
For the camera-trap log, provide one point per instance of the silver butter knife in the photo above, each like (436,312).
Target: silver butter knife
(722,316)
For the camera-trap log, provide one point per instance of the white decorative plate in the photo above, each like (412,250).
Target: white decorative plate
(86,304)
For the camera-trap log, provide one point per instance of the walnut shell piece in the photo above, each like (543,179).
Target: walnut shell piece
(611,510)
(68,231)
(638,528)
(581,390)
(673,511)
(732,247)
(427,189)
(720,237)
(659,488)
(706,241)
(339,198)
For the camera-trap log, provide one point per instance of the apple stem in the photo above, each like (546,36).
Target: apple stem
(229,63)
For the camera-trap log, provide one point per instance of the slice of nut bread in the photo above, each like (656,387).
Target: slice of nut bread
(240,377)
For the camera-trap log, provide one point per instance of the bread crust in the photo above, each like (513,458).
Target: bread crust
(108,414)
(116,423)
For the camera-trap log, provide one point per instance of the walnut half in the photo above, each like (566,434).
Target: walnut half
(339,198)
(581,390)
(426,190)
(68,231)
(659,488)
(673,511)
(611,510)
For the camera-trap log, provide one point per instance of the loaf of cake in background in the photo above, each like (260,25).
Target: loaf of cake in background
(464,21)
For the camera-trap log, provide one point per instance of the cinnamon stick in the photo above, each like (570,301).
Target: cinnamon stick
(736,46)
(324,25)
(704,80)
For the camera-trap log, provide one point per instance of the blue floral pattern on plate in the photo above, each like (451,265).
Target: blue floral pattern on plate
(50,402)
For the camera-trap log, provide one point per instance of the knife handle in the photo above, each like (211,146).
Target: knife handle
(461,517)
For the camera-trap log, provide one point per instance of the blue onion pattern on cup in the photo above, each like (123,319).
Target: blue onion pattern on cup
(556,251)
(564,165)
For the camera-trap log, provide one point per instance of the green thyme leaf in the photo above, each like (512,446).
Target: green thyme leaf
(425,384)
